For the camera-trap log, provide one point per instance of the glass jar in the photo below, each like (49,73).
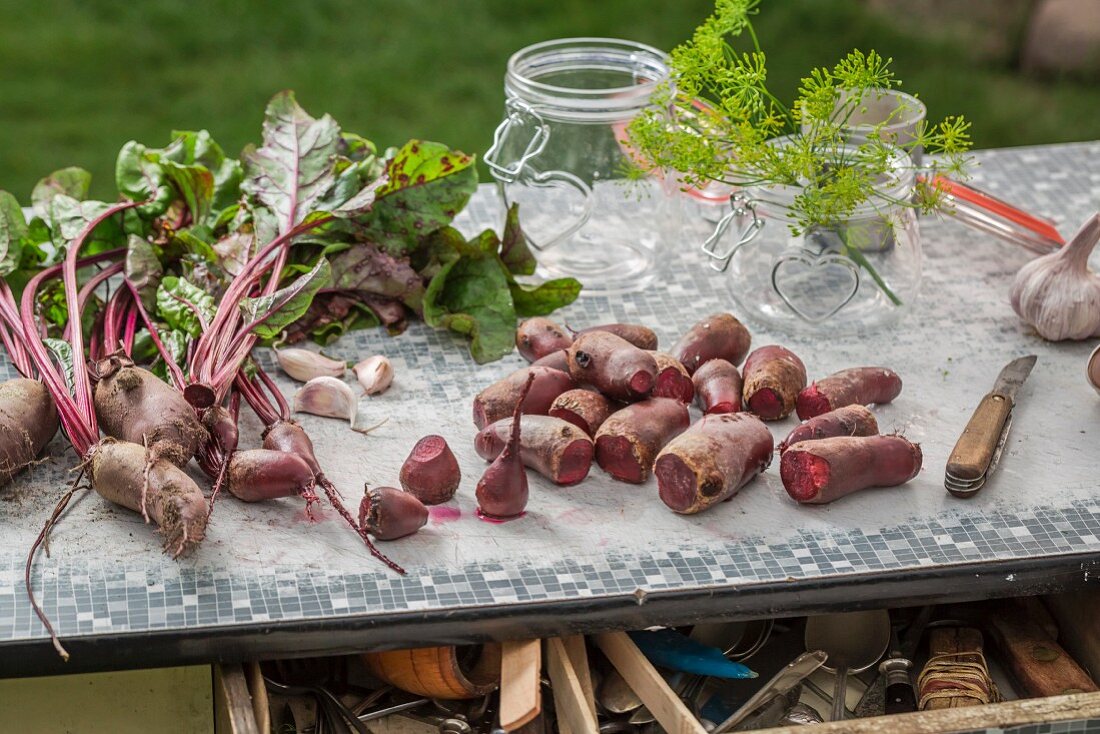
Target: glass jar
(560,153)
(859,274)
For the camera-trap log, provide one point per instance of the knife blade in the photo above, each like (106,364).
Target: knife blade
(978,449)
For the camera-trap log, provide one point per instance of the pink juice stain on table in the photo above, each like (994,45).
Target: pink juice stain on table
(442,514)
(496,520)
(317,514)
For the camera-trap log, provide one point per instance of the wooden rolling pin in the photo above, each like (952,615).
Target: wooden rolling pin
(1040,666)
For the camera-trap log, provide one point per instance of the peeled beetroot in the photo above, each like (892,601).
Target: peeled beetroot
(673,380)
(851,420)
(586,409)
(612,365)
(860,385)
(502,490)
(501,398)
(640,336)
(628,441)
(431,472)
(718,336)
(555,448)
(773,377)
(538,337)
(718,387)
(815,472)
(712,460)
(388,513)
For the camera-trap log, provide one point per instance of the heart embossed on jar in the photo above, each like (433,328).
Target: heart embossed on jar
(814,286)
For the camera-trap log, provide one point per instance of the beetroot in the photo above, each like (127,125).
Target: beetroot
(712,460)
(262,474)
(502,490)
(718,387)
(773,377)
(28,420)
(585,409)
(538,337)
(640,336)
(815,472)
(612,365)
(133,405)
(860,385)
(556,449)
(851,420)
(718,336)
(389,514)
(558,360)
(673,380)
(628,441)
(500,399)
(431,473)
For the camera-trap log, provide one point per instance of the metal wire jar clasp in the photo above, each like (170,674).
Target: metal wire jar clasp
(742,207)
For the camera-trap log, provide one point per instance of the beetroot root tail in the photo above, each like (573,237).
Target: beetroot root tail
(334,500)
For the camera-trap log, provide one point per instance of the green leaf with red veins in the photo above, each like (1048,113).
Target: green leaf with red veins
(293,169)
(70,181)
(180,303)
(13,228)
(195,184)
(63,355)
(198,147)
(143,270)
(286,305)
(367,269)
(68,217)
(140,177)
(545,298)
(426,185)
(514,252)
(471,296)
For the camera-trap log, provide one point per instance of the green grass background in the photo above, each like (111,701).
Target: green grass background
(79,78)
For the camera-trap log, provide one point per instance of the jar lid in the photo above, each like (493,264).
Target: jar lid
(981,210)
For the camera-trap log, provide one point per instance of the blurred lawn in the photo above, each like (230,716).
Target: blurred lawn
(78,79)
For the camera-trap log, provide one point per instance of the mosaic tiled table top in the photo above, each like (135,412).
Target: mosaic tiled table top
(265,564)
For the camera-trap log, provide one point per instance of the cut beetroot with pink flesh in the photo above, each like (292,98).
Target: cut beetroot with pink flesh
(723,408)
(575,462)
(676,482)
(812,403)
(616,457)
(803,475)
(571,417)
(766,403)
(641,383)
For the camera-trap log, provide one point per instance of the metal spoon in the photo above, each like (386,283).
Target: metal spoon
(616,696)
(853,641)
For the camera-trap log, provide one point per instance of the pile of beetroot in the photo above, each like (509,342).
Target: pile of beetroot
(607,394)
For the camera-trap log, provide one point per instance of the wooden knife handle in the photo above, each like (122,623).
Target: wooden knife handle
(972,454)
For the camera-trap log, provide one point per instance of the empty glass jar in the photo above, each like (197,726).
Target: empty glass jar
(561,154)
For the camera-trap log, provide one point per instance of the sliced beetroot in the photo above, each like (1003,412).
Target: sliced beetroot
(612,365)
(851,420)
(500,399)
(585,409)
(815,472)
(388,513)
(711,461)
(628,441)
(718,336)
(538,337)
(673,380)
(556,449)
(856,385)
(718,387)
(773,377)
(431,473)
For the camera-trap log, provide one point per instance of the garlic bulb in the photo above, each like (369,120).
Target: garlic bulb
(1058,294)
(327,396)
(375,374)
(303,365)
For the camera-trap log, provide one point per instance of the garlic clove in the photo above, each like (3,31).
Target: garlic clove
(303,365)
(1094,369)
(1057,293)
(327,396)
(375,374)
